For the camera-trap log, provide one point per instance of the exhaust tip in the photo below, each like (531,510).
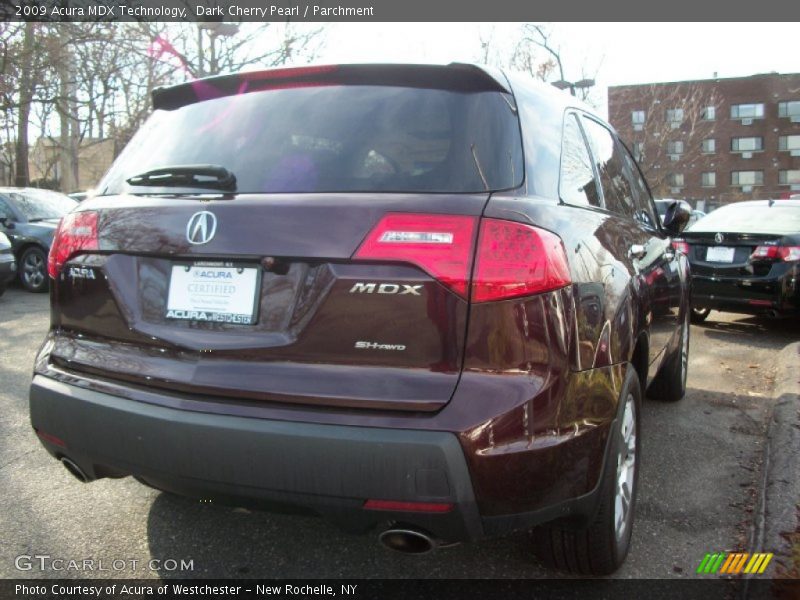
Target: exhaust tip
(75,470)
(407,541)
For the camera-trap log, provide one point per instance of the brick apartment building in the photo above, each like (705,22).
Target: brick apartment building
(714,141)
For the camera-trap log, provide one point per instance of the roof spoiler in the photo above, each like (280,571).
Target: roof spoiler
(455,77)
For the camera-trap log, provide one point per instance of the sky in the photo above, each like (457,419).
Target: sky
(612,53)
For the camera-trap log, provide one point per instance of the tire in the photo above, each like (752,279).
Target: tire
(601,547)
(700,314)
(670,383)
(33,270)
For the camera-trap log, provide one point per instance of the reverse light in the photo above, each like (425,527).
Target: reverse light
(681,246)
(76,233)
(440,245)
(785,253)
(514,259)
(399,506)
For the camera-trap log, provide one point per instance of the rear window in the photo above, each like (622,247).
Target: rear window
(777,219)
(42,204)
(337,139)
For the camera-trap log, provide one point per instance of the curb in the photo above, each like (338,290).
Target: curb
(782,480)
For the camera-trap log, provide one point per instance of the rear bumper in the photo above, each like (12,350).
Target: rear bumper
(777,295)
(327,469)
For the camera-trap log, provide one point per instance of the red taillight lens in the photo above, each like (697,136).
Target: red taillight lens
(439,244)
(517,260)
(787,253)
(681,246)
(76,233)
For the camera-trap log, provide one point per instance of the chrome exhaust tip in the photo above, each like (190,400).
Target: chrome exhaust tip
(75,470)
(407,541)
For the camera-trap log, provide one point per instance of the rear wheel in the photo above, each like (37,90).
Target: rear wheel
(699,314)
(33,270)
(601,548)
(670,383)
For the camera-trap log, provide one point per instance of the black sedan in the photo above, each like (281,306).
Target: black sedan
(745,258)
(29,218)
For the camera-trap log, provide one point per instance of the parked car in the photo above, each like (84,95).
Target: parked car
(8,264)
(29,218)
(745,258)
(419,299)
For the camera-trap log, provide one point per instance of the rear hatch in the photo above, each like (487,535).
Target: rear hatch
(300,236)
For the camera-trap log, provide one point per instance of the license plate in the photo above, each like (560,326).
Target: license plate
(218,294)
(720,254)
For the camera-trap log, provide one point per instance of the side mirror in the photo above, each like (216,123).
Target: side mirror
(6,222)
(676,218)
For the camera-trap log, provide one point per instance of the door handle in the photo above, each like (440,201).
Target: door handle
(637,251)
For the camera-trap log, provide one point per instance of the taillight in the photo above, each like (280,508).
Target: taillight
(517,260)
(681,246)
(76,233)
(787,253)
(439,244)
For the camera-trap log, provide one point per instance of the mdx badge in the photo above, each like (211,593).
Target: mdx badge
(201,227)
(401,289)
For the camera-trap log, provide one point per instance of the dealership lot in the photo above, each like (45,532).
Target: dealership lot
(700,473)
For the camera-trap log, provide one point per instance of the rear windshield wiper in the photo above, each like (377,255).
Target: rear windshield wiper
(214,177)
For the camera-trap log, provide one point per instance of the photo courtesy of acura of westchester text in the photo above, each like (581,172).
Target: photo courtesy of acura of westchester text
(324,304)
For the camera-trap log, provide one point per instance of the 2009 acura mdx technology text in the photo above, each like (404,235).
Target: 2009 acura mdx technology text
(423,300)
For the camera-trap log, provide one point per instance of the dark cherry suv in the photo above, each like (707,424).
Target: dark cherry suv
(418,299)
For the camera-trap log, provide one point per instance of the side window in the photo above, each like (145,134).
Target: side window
(645,212)
(611,166)
(5,210)
(577,183)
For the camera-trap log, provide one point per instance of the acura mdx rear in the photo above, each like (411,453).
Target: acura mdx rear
(418,300)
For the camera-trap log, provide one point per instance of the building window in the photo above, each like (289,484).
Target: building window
(674,117)
(789,177)
(747,111)
(675,147)
(747,144)
(709,113)
(709,179)
(709,146)
(747,178)
(789,110)
(789,143)
(638,151)
(675,180)
(637,118)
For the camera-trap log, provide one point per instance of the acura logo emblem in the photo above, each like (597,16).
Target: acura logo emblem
(201,227)
(719,238)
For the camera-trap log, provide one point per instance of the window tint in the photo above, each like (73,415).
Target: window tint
(641,195)
(338,139)
(611,166)
(578,185)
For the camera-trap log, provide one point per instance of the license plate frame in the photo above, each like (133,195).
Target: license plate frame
(215,303)
(720,254)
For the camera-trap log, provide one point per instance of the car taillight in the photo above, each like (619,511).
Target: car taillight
(517,260)
(787,253)
(439,244)
(76,233)
(681,246)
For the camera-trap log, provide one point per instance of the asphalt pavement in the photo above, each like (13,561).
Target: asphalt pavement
(700,487)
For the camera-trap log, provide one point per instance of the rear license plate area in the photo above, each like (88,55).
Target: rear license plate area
(213,293)
(720,254)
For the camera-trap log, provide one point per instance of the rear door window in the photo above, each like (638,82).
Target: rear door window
(611,167)
(577,183)
(341,138)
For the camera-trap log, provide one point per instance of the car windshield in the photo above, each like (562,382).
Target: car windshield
(336,139)
(748,218)
(42,204)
